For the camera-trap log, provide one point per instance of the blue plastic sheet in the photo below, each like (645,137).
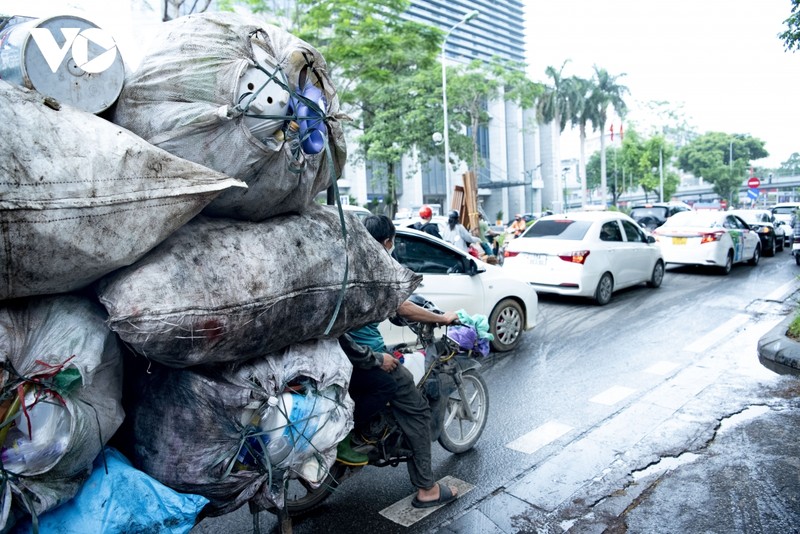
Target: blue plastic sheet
(124,500)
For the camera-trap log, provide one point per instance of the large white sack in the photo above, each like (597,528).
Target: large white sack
(61,352)
(81,197)
(191,425)
(222,290)
(183,99)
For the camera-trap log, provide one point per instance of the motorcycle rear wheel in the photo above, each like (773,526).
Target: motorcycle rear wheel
(301,498)
(459,434)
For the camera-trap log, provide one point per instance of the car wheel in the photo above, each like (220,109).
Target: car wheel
(797,259)
(506,324)
(602,295)
(658,275)
(780,245)
(726,269)
(756,256)
(773,247)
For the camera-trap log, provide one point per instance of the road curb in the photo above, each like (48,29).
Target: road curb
(780,353)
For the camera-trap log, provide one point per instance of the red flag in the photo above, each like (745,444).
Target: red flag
(621,135)
(612,132)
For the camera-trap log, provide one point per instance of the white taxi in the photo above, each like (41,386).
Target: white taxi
(585,254)
(714,238)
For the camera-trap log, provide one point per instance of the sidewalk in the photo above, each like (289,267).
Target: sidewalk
(738,474)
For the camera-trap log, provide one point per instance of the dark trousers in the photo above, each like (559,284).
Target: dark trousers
(372,388)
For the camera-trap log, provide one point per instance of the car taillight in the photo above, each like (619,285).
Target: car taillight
(711,237)
(510,253)
(578,256)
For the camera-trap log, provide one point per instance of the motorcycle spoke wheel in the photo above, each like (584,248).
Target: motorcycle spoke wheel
(301,497)
(459,433)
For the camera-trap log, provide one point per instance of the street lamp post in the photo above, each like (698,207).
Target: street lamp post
(447,180)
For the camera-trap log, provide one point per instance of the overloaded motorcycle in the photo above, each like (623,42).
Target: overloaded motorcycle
(459,401)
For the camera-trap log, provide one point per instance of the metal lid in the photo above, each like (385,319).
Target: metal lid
(72,60)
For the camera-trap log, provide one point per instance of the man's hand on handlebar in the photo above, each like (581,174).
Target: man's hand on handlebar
(449,318)
(411,312)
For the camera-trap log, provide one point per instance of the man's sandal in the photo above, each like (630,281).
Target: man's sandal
(445,496)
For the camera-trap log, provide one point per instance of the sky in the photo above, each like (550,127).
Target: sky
(720,60)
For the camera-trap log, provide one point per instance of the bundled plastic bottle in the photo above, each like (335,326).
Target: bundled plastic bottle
(298,160)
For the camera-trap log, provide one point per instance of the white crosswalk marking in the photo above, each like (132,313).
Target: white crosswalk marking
(612,395)
(539,437)
(661,368)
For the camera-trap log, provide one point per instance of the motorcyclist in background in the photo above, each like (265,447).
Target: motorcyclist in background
(426,214)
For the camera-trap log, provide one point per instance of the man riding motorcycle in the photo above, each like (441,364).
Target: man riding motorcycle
(378,378)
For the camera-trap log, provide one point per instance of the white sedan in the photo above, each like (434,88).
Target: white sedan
(586,254)
(453,280)
(714,238)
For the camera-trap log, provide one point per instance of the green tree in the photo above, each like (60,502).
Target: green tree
(791,167)
(709,157)
(791,36)
(606,93)
(654,159)
(469,88)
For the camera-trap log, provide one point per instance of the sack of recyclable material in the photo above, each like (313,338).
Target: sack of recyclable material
(60,400)
(81,197)
(232,433)
(120,498)
(219,89)
(222,290)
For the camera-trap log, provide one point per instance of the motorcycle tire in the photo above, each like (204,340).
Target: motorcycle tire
(459,434)
(301,498)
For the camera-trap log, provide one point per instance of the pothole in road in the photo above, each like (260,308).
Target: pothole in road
(745,415)
(673,462)
(665,464)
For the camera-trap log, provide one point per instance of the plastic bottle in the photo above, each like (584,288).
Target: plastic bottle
(245,457)
(296,160)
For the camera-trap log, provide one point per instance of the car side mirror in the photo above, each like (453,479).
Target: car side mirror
(472,268)
(651,239)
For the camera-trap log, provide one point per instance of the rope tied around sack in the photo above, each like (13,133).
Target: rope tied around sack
(318,115)
(50,384)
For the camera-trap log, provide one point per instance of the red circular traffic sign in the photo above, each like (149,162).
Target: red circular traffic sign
(753,182)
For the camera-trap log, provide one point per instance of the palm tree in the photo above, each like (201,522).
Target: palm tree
(582,112)
(606,92)
(554,106)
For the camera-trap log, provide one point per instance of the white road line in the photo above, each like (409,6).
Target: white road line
(661,368)
(406,515)
(539,437)
(779,293)
(716,335)
(612,395)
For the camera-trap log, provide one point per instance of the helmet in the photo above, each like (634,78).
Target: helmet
(425,212)
(452,216)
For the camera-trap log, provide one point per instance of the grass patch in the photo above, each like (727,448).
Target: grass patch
(794,328)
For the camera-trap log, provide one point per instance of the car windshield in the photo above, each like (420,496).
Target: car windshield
(707,219)
(558,229)
(784,210)
(750,217)
(654,211)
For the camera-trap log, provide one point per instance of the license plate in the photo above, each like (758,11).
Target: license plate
(537,259)
(678,240)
